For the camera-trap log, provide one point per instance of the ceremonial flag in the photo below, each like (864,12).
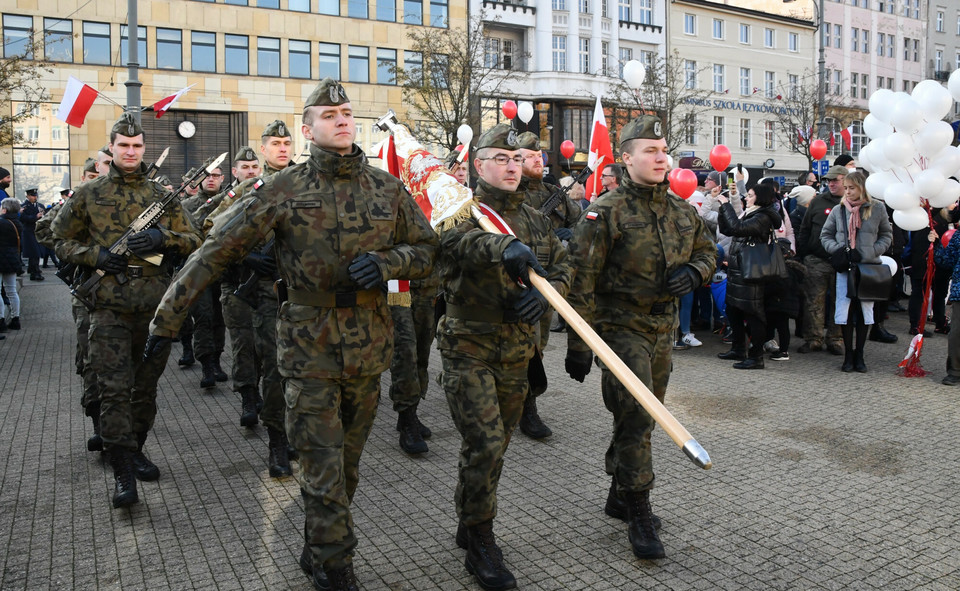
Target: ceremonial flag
(164,104)
(847,135)
(77,100)
(387,153)
(398,290)
(601,152)
(833,139)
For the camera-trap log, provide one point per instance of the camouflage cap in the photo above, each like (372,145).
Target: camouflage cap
(836,171)
(276,128)
(106,150)
(246,154)
(329,93)
(645,127)
(529,141)
(90,165)
(501,136)
(163,180)
(189,174)
(127,125)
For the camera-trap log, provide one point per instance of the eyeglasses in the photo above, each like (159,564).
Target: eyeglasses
(608,176)
(503,159)
(214,175)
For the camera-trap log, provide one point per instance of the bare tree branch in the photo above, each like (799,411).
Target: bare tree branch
(20,75)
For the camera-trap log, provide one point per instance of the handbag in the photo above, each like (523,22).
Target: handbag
(869,282)
(762,262)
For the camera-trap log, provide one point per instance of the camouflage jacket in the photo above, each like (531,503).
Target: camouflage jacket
(199,205)
(564,215)
(624,248)
(324,213)
(44,233)
(473,279)
(98,214)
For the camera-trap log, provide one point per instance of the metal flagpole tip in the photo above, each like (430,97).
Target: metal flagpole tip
(696,453)
(390,117)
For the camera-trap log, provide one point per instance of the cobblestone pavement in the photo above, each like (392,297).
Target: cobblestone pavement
(821,480)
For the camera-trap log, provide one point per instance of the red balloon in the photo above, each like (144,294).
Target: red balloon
(818,149)
(568,149)
(684,183)
(719,158)
(945,239)
(509,109)
(672,174)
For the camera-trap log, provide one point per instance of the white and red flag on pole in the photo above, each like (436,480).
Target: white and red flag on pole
(163,105)
(387,153)
(601,152)
(77,100)
(847,135)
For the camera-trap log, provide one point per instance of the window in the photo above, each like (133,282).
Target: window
(413,12)
(603,8)
(745,87)
(938,60)
(769,136)
(854,84)
(744,33)
(891,42)
(438,13)
(387,10)
(770,84)
(237,2)
(584,56)
(854,39)
(57,40)
(559,4)
(838,36)
(329,66)
(96,43)
(358,64)
(45,162)
(793,42)
(718,85)
(837,82)
(584,6)
(439,70)
(793,86)
(413,65)
(626,54)
(690,73)
(690,129)
(203,48)
(717,130)
(331,7)
(916,8)
(690,24)
(236,54)
(268,3)
(624,10)
(357,8)
(745,134)
(141,46)
(299,5)
(879,82)
(491,52)
(268,56)
(559,53)
(769,38)
(827,27)
(604,52)
(881,40)
(889,83)
(717,28)
(916,50)
(863,86)
(386,62)
(18,29)
(299,59)
(645,12)
(169,49)
(865,38)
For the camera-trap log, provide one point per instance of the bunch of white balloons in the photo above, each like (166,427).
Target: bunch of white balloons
(909,156)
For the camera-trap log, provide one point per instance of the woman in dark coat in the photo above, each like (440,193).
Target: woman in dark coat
(745,300)
(11,265)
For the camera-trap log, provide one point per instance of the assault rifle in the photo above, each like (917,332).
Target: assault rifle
(147,219)
(245,291)
(561,193)
(155,167)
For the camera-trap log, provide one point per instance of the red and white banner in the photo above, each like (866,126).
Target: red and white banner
(387,153)
(601,152)
(164,104)
(77,100)
(847,135)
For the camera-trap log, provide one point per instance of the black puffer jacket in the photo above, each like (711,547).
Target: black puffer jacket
(11,236)
(757,225)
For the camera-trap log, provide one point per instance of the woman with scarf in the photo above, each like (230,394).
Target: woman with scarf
(859,231)
(745,300)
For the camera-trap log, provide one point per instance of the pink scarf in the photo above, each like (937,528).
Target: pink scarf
(854,223)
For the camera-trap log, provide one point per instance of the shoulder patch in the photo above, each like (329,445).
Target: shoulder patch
(210,200)
(258,183)
(231,193)
(592,215)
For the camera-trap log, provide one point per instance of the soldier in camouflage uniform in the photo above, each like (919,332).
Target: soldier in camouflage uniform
(636,250)
(342,229)
(89,223)
(488,335)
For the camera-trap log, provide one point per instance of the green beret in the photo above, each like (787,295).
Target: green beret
(501,136)
(189,174)
(276,128)
(329,93)
(246,154)
(127,125)
(529,141)
(90,165)
(645,127)
(106,150)
(163,180)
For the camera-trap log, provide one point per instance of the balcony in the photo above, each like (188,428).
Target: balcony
(641,32)
(512,12)
(941,75)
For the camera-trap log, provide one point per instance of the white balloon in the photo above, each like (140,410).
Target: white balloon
(634,73)
(946,161)
(899,149)
(901,196)
(953,84)
(864,159)
(933,137)
(465,134)
(525,111)
(881,104)
(934,99)
(906,116)
(669,161)
(877,157)
(875,128)
(929,183)
(911,220)
(948,195)
(888,261)
(878,183)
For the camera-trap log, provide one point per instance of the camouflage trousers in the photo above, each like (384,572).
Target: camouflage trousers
(127,383)
(265,342)
(405,391)
(486,400)
(328,422)
(208,323)
(91,391)
(818,292)
(629,456)
(425,328)
(238,317)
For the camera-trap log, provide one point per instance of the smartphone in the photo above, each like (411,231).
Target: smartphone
(739,168)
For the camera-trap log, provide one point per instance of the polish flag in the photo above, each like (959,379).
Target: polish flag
(847,135)
(164,104)
(601,152)
(77,100)
(387,153)
(833,139)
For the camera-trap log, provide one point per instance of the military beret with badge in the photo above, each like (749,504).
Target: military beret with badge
(529,141)
(276,128)
(246,154)
(502,136)
(127,125)
(328,93)
(644,127)
(90,165)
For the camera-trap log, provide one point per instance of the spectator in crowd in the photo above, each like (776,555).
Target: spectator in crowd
(809,179)
(11,264)
(847,161)
(5,179)
(802,195)
(30,212)
(610,177)
(949,258)
(577,192)
(915,263)
(856,231)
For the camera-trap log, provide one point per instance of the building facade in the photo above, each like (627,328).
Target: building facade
(943,43)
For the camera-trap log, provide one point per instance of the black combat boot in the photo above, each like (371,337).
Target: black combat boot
(278,461)
(317,576)
(425,431)
(530,423)
(342,579)
(411,441)
(616,507)
(209,378)
(146,470)
(485,560)
(187,359)
(125,490)
(95,442)
(248,406)
(642,533)
(218,373)
(14,323)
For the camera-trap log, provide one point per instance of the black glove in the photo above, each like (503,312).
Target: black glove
(146,241)
(111,263)
(516,258)
(155,346)
(578,364)
(531,306)
(684,280)
(564,233)
(365,272)
(840,261)
(855,256)
(261,264)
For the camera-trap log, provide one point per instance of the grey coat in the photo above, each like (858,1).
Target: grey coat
(873,238)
